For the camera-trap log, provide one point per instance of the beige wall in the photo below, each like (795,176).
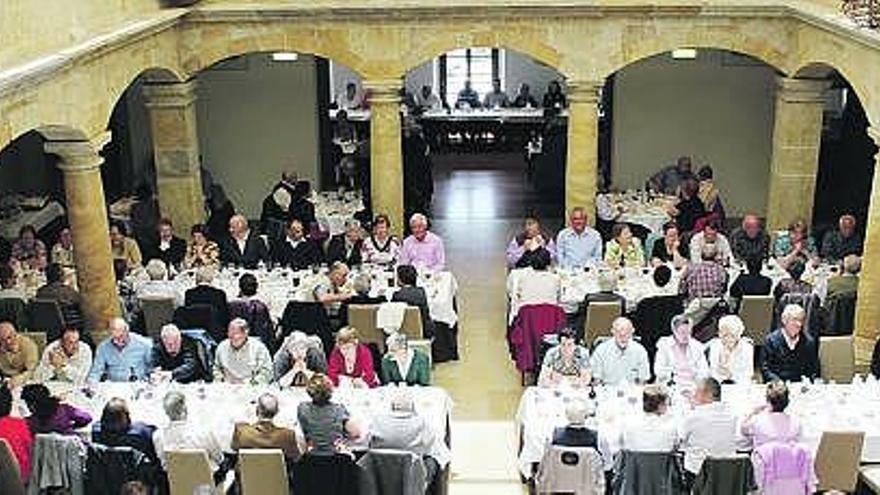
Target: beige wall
(257,118)
(717,109)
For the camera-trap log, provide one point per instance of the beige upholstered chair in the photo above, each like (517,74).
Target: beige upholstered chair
(188,470)
(263,472)
(836,358)
(600,316)
(363,318)
(412,323)
(837,460)
(39,338)
(756,313)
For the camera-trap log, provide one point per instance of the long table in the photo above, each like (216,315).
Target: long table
(819,407)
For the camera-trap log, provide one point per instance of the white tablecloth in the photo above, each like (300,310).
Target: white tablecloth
(279,286)
(9,227)
(218,406)
(635,207)
(332,210)
(820,408)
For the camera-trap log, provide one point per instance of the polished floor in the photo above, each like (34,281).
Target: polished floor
(478,205)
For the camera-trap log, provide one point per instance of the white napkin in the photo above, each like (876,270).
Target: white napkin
(389,316)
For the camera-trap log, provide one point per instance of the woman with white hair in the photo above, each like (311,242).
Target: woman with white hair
(731,356)
(403,364)
(299,357)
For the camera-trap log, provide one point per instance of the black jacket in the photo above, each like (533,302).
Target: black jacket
(875,360)
(255,251)
(211,296)
(415,296)
(171,256)
(781,363)
(304,255)
(569,436)
(185,367)
(336,251)
(750,285)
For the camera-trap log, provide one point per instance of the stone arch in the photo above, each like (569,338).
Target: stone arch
(823,68)
(646,52)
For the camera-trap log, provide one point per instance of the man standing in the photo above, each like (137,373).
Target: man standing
(578,245)
(620,359)
(843,241)
(18,356)
(66,360)
(242,247)
(788,353)
(497,98)
(242,359)
(749,241)
(422,249)
(710,429)
(123,356)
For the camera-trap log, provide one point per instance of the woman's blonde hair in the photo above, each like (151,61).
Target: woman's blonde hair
(347,335)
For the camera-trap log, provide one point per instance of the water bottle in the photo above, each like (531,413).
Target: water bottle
(132,376)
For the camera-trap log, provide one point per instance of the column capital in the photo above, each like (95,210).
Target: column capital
(169,94)
(383,90)
(797,90)
(76,156)
(874,134)
(584,91)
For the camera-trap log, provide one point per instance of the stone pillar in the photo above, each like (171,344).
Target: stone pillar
(87,215)
(797,134)
(582,162)
(172,112)
(386,157)
(867,325)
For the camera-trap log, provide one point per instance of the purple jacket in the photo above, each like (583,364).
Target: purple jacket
(65,421)
(784,469)
(529,328)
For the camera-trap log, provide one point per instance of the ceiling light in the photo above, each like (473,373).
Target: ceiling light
(285,56)
(684,53)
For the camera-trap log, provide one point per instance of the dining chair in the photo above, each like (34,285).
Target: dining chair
(600,316)
(189,471)
(263,472)
(836,358)
(158,311)
(837,460)
(756,313)
(363,318)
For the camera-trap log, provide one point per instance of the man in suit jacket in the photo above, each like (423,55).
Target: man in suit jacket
(205,293)
(295,250)
(414,296)
(167,246)
(242,247)
(789,354)
(264,434)
(346,247)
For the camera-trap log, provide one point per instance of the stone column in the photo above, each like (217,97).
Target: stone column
(867,325)
(797,134)
(176,152)
(87,215)
(582,162)
(386,157)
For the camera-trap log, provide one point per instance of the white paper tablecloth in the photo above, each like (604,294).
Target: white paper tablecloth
(9,227)
(819,408)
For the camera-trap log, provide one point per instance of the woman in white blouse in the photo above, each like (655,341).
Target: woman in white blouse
(731,355)
(680,358)
(535,284)
(381,247)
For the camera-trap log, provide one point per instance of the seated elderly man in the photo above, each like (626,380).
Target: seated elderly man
(332,292)
(578,245)
(242,247)
(709,430)
(242,359)
(346,247)
(566,361)
(789,354)
(65,360)
(158,286)
(122,357)
(654,430)
(422,249)
(299,357)
(620,359)
(403,428)
(703,283)
(181,433)
(18,356)
(750,241)
(176,357)
(296,250)
(837,244)
(166,246)
(205,293)
(680,358)
(848,281)
(710,236)
(265,434)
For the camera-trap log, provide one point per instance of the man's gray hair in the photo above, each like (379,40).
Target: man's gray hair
(156,269)
(396,341)
(709,251)
(576,412)
(241,323)
(205,275)
(792,312)
(852,263)
(418,218)
(174,404)
(267,406)
(362,283)
(169,330)
(607,281)
(679,320)
(118,321)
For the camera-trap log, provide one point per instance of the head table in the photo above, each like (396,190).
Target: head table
(278,286)
(819,407)
(218,406)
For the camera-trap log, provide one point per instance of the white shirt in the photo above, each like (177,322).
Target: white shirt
(724,254)
(186,435)
(740,365)
(612,365)
(75,370)
(650,433)
(242,242)
(709,431)
(666,363)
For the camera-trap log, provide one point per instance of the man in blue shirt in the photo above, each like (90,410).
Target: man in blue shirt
(578,245)
(123,356)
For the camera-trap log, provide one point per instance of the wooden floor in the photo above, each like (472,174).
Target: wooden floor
(478,205)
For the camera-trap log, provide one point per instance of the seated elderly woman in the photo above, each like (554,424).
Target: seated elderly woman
(795,243)
(623,249)
(403,364)
(680,357)
(541,286)
(731,356)
(115,429)
(201,250)
(325,425)
(298,359)
(350,361)
(566,361)
(49,414)
(527,243)
(769,422)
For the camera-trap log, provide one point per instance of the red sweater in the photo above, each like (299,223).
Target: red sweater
(363,366)
(16,432)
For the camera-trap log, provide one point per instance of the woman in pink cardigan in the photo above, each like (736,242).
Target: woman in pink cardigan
(352,360)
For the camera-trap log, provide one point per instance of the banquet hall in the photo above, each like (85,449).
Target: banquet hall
(463,247)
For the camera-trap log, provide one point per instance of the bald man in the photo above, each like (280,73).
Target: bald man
(242,247)
(750,240)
